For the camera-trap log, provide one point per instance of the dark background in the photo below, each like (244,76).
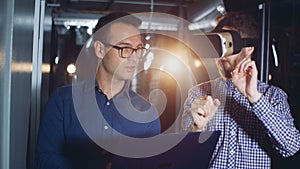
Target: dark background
(283,31)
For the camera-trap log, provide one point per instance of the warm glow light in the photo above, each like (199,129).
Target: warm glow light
(172,65)
(71,68)
(24,67)
(46,68)
(197,63)
(270,77)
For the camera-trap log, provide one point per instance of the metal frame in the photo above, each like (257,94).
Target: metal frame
(265,40)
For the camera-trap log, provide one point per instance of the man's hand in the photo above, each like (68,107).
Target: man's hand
(202,111)
(244,77)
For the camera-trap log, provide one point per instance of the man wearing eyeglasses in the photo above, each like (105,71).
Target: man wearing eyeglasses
(81,121)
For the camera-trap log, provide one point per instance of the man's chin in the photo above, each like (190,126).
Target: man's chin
(124,77)
(225,74)
(127,77)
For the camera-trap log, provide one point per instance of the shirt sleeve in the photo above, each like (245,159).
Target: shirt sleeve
(186,118)
(274,112)
(49,149)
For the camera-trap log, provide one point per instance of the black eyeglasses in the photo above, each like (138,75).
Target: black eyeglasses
(126,52)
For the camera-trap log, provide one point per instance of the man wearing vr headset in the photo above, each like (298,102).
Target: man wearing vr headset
(254,118)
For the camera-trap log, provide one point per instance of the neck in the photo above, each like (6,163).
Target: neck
(109,86)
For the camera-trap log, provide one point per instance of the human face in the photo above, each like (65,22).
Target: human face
(228,63)
(112,64)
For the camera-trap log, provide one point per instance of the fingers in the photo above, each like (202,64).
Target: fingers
(249,68)
(246,67)
(244,77)
(199,121)
(242,65)
(244,60)
(203,109)
(217,102)
(202,105)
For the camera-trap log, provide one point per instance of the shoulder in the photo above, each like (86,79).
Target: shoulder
(65,92)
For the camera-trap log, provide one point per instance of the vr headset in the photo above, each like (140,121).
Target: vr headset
(220,44)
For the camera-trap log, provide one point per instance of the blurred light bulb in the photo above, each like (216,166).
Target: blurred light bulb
(148,37)
(197,63)
(147,45)
(71,68)
(270,77)
(56,60)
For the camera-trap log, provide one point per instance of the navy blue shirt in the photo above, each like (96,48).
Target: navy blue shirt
(79,119)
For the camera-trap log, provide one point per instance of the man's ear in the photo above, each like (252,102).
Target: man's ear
(249,50)
(99,49)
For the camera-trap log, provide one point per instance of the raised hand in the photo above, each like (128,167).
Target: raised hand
(202,110)
(244,77)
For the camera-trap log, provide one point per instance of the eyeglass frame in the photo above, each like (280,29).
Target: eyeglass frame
(121,49)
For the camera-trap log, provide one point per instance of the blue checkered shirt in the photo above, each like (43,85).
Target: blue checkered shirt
(250,133)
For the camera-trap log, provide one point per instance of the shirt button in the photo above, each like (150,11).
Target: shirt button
(107,103)
(232,132)
(231,152)
(105,127)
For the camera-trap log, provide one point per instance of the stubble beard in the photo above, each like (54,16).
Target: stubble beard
(225,68)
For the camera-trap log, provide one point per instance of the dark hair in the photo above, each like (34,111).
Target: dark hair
(244,23)
(114,17)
